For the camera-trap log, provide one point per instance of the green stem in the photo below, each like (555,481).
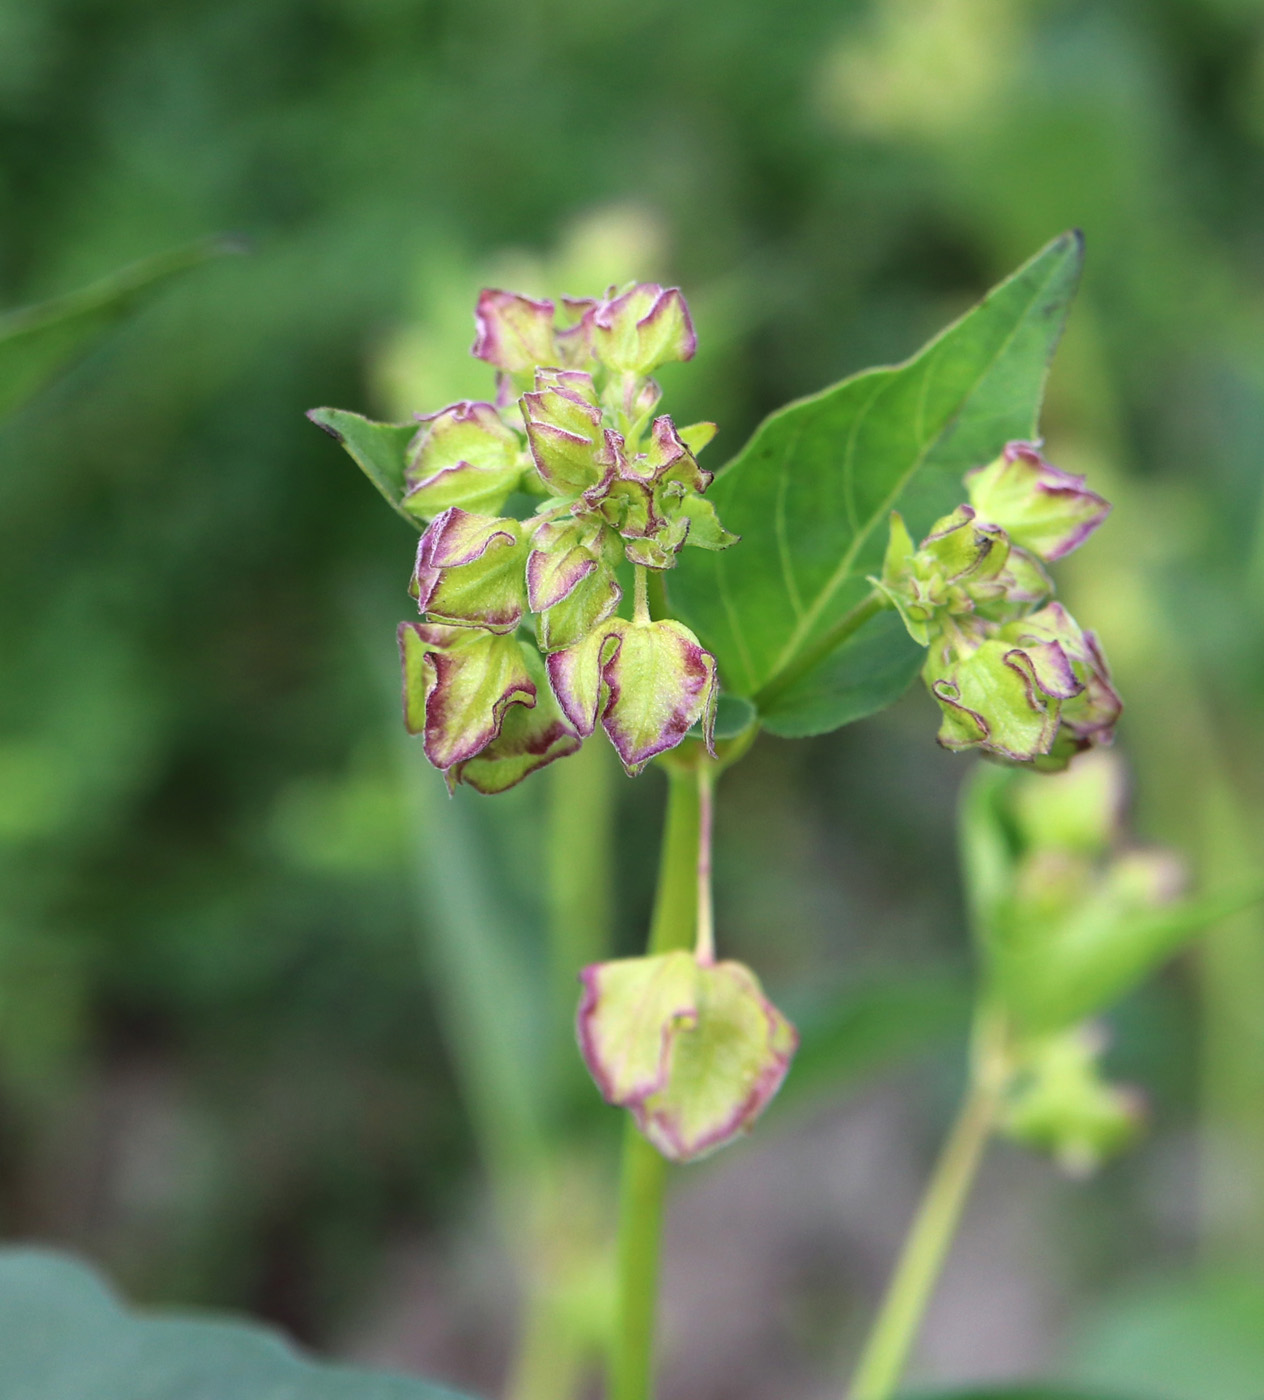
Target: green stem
(641,603)
(869,606)
(580,855)
(899,1319)
(644,1173)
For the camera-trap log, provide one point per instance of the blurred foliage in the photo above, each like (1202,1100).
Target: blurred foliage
(219,1061)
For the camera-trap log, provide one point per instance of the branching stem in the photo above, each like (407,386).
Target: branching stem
(773,689)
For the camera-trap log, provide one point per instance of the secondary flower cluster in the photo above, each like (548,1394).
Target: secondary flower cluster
(1013,672)
(574,426)
(1076,916)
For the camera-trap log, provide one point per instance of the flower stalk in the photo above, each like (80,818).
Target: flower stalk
(644,1171)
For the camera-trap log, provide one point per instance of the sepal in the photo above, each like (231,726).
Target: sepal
(695,1051)
(1000,698)
(529,738)
(471,570)
(641,328)
(647,683)
(563,421)
(514,333)
(465,456)
(458,684)
(1042,508)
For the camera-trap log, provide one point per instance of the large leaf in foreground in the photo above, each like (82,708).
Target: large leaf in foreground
(811,491)
(38,342)
(64,1336)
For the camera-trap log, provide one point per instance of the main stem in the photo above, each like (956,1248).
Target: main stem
(886,1353)
(644,1174)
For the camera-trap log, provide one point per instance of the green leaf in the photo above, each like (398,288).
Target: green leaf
(38,342)
(1019,1393)
(811,491)
(65,1336)
(848,1033)
(1195,1338)
(378,449)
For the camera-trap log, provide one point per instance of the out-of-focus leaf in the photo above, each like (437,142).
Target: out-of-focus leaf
(378,449)
(64,1336)
(863,1028)
(811,491)
(38,342)
(1023,1393)
(1102,956)
(1175,1341)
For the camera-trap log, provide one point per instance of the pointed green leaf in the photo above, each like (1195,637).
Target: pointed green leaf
(378,449)
(811,491)
(65,1336)
(38,342)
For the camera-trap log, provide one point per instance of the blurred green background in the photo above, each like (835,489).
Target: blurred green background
(229,1064)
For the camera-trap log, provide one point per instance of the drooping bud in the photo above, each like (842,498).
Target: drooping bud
(529,738)
(647,682)
(1040,507)
(642,328)
(471,570)
(1000,697)
(563,418)
(694,1051)
(1060,1104)
(465,456)
(514,333)
(571,580)
(458,684)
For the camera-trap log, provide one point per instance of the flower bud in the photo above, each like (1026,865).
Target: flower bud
(471,570)
(458,684)
(1040,507)
(563,419)
(1089,717)
(642,328)
(571,580)
(999,697)
(465,456)
(955,566)
(530,737)
(515,333)
(695,1051)
(647,682)
(1060,1104)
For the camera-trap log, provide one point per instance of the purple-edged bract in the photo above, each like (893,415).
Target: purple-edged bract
(695,1050)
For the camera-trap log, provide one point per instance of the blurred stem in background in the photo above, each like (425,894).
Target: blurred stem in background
(545,1188)
(1197,781)
(886,1351)
(644,1174)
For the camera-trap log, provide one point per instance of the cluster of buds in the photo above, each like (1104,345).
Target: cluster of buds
(1014,674)
(522,652)
(1074,918)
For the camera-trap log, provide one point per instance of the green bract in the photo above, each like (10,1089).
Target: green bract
(695,1050)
